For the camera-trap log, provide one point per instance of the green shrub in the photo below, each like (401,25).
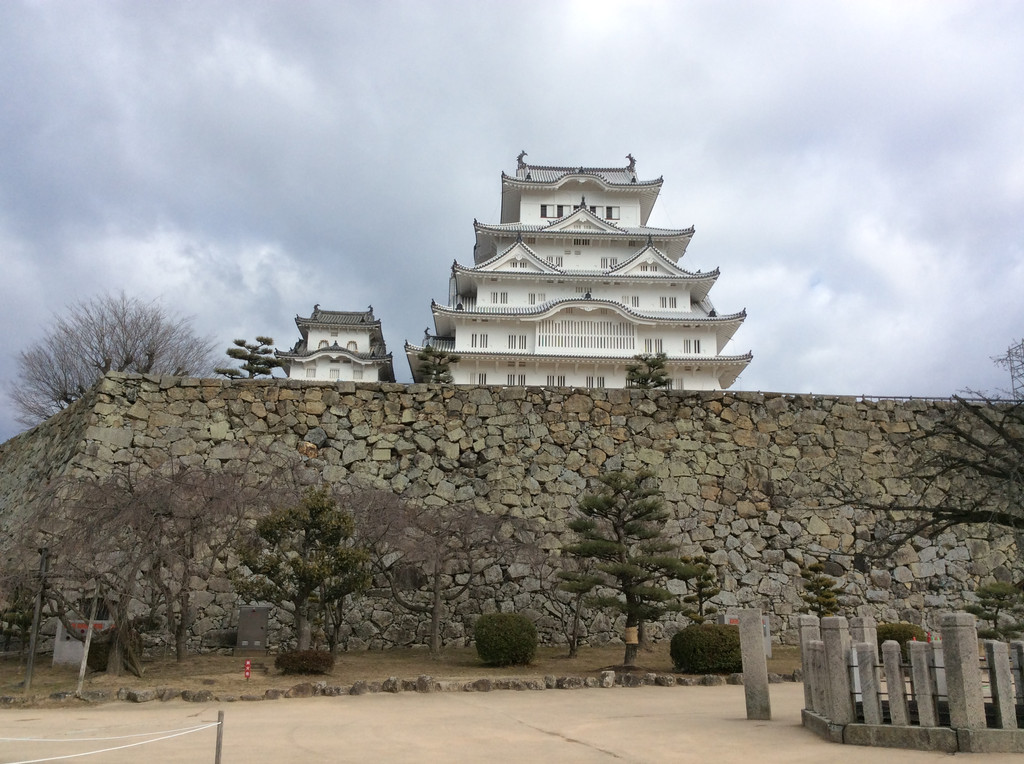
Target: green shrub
(708,648)
(304,662)
(902,633)
(505,639)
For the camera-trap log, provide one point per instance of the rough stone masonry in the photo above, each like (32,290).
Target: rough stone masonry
(747,475)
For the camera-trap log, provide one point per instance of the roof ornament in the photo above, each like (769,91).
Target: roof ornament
(522,164)
(583,201)
(650,240)
(316,307)
(632,163)
(519,238)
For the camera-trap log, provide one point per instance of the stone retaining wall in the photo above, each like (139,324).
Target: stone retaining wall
(747,476)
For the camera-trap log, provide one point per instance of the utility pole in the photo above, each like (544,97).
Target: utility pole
(44,562)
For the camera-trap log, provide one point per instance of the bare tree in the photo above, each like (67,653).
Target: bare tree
(198,515)
(431,555)
(105,333)
(142,539)
(966,469)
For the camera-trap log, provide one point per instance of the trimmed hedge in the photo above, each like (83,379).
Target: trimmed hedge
(505,639)
(708,648)
(902,633)
(304,662)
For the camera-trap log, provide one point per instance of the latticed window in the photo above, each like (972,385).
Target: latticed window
(585,334)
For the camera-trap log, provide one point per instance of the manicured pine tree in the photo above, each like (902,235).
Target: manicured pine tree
(435,364)
(620,528)
(821,592)
(257,358)
(649,372)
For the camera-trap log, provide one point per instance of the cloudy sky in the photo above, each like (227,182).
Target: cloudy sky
(855,169)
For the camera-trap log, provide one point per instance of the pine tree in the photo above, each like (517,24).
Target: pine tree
(649,372)
(821,592)
(702,578)
(298,552)
(620,529)
(1000,603)
(435,364)
(258,359)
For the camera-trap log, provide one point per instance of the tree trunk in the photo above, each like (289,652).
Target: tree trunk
(574,634)
(435,616)
(302,629)
(629,659)
(182,627)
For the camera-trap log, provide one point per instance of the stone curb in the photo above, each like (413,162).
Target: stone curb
(423,684)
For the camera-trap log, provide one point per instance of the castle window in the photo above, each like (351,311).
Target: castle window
(352,345)
(556,380)
(357,373)
(611,213)
(652,346)
(334,373)
(481,378)
(323,344)
(668,302)
(581,242)
(478,340)
(311,372)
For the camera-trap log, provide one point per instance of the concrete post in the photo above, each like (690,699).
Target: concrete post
(809,630)
(819,677)
(963,674)
(921,678)
(895,683)
(755,665)
(865,629)
(869,683)
(997,654)
(1017,666)
(836,636)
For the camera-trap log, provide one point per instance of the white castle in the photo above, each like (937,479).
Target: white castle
(572,284)
(339,345)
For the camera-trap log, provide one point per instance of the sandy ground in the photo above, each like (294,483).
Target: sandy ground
(646,724)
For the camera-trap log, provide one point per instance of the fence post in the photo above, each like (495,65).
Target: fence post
(836,636)
(963,674)
(869,683)
(997,654)
(809,631)
(921,674)
(895,683)
(1017,663)
(220,736)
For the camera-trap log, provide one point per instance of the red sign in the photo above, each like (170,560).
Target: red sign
(248,667)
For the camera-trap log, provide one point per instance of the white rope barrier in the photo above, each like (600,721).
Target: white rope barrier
(88,739)
(178,733)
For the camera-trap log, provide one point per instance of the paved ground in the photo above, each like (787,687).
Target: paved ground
(647,724)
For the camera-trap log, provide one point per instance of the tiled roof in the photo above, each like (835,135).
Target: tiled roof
(570,301)
(338,317)
(723,360)
(622,232)
(613,176)
(301,351)
(683,275)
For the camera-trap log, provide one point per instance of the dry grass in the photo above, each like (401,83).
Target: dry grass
(224,674)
